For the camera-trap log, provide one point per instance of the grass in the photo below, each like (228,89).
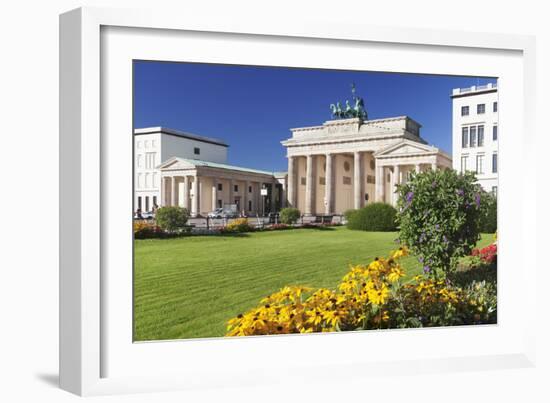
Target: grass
(189,287)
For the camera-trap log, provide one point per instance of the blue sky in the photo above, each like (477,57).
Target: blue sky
(253,108)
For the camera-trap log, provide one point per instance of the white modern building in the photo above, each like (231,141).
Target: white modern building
(154,145)
(475,133)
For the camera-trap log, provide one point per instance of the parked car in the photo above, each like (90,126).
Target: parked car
(223,213)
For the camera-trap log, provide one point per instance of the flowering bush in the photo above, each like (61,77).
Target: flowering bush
(487,254)
(368,297)
(439,215)
(238,225)
(144,230)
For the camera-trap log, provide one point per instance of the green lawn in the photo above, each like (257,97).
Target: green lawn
(189,287)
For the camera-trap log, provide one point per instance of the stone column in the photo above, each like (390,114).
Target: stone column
(195,205)
(231,192)
(186,192)
(357,181)
(273,195)
(162,191)
(310,186)
(291,191)
(173,195)
(283,193)
(395,182)
(417,168)
(329,177)
(434,166)
(379,184)
(214,194)
(246,196)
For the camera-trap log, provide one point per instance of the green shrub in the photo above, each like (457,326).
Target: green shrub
(489,216)
(439,215)
(172,218)
(373,217)
(289,215)
(145,230)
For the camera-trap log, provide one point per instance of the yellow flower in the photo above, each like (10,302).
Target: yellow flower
(334,317)
(402,251)
(378,295)
(395,274)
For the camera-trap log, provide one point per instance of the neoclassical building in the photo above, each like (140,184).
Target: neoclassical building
(346,163)
(342,164)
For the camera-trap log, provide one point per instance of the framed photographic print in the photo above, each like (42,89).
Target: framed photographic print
(237,197)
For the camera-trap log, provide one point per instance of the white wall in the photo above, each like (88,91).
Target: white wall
(176,146)
(29,349)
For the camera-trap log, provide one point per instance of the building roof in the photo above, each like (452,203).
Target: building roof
(200,163)
(474,90)
(179,133)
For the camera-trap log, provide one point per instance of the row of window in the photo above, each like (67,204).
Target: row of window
(465,110)
(237,202)
(146,143)
(474,136)
(479,168)
(147,180)
(235,188)
(147,160)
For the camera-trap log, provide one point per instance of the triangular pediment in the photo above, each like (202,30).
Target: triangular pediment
(406,147)
(177,163)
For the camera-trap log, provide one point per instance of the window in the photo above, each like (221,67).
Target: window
(197,151)
(463,163)
(150,162)
(495,162)
(139,181)
(495,106)
(155,201)
(479,164)
(139,160)
(465,111)
(347,180)
(480,109)
(236,188)
(147,183)
(250,189)
(139,144)
(220,203)
(464,137)
(472,136)
(495,132)
(139,202)
(302,181)
(480,135)
(370,179)
(146,203)
(155,180)
(250,205)
(347,166)
(146,143)
(322,180)
(220,187)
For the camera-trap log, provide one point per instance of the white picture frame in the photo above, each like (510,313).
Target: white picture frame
(96,354)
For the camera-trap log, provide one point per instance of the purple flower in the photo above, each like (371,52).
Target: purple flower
(437,227)
(409,197)
(445,239)
(460,192)
(427,269)
(478,199)
(421,259)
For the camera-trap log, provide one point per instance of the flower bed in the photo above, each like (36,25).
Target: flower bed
(369,297)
